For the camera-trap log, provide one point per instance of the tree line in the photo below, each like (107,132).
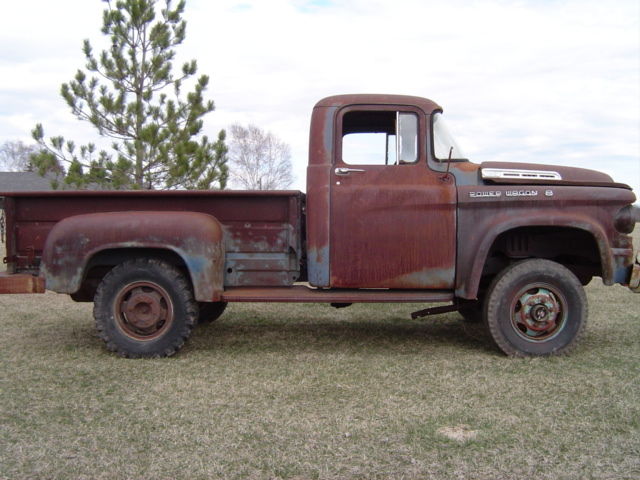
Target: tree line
(152,114)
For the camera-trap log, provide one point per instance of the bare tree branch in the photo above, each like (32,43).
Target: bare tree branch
(259,160)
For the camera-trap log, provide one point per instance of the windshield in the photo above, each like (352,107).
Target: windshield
(443,141)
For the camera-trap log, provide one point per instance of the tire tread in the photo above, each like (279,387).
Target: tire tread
(102,313)
(510,275)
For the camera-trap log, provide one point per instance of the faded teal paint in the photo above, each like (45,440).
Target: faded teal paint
(318,264)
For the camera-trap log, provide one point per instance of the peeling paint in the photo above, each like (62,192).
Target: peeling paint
(194,237)
(319,266)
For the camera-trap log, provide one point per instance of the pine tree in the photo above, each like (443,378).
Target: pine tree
(131,96)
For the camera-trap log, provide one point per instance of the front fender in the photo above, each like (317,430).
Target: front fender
(197,238)
(487,211)
(471,260)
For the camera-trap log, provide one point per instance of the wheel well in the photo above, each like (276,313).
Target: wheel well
(574,248)
(102,263)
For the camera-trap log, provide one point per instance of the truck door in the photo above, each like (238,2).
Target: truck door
(392,218)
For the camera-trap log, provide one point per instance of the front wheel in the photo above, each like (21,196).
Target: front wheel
(536,308)
(144,308)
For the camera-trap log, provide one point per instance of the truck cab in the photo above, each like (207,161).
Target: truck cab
(380,214)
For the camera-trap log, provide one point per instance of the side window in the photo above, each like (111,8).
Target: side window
(379,138)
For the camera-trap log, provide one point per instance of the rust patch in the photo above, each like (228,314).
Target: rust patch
(20,283)
(392,227)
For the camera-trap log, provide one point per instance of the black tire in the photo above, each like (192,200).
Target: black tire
(536,308)
(144,308)
(472,312)
(211,311)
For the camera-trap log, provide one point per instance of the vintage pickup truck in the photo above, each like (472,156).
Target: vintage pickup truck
(393,212)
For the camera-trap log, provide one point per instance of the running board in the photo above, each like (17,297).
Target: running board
(303,294)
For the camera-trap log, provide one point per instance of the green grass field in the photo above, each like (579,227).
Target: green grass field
(309,392)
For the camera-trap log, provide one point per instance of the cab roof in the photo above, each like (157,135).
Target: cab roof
(426,105)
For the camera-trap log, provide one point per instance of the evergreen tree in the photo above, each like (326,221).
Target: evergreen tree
(132,97)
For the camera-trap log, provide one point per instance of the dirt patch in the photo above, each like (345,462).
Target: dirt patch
(459,433)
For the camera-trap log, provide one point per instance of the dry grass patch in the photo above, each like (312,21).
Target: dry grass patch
(459,433)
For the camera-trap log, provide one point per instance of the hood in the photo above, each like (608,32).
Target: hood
(511,173)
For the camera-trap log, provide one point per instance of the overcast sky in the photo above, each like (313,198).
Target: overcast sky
(545,81)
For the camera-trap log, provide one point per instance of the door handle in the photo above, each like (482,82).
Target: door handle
(347,171)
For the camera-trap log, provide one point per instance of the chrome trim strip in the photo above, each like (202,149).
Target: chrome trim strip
(517,174)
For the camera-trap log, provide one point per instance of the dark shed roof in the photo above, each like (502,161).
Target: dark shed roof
(23,182)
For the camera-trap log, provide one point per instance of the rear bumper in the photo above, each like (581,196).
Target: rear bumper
(20,283)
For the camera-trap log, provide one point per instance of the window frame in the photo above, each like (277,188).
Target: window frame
(432,153)
(420,140)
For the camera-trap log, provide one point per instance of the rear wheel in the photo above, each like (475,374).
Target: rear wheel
(535,308)
(144,308)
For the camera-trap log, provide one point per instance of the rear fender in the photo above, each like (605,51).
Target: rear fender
(197,238)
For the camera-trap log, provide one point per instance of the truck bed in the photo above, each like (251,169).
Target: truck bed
(262,230)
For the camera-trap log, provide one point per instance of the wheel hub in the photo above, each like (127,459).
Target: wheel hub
(538,314)
(143,310)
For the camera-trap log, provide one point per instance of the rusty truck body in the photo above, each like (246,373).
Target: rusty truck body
(393,212)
